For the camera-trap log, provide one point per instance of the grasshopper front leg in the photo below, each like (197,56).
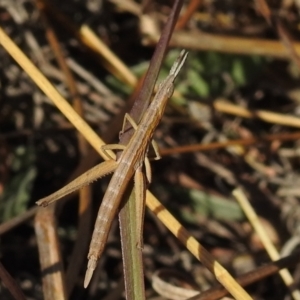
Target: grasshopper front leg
(112,147)
(128,118)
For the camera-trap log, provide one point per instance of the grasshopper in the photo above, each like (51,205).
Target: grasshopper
(130,164)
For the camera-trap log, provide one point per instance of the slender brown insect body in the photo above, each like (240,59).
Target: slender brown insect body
(129,163)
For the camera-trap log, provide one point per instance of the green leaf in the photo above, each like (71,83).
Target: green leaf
(215,206)
(198,83)
(17,192)
(238,72)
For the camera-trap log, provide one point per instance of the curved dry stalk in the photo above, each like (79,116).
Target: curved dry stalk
(54,286)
